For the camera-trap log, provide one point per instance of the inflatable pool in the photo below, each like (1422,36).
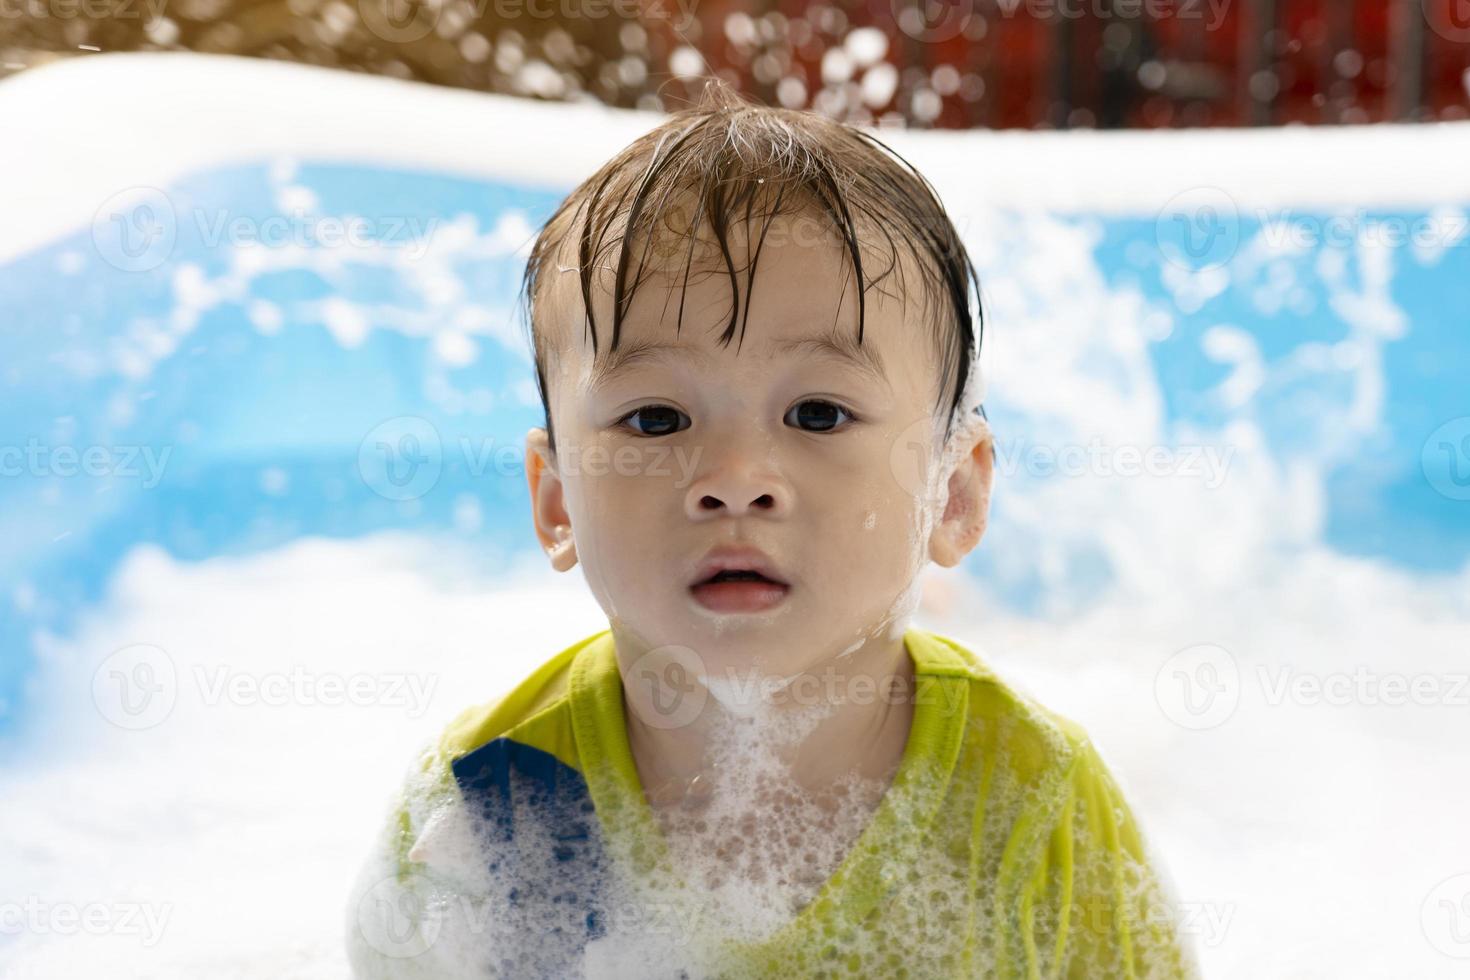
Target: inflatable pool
(265,389)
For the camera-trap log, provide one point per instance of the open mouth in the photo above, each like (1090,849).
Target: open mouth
(739,590)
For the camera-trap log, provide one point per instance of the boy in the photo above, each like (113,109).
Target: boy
(760,768)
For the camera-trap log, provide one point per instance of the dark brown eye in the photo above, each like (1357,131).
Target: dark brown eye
(815,415)
(660,419)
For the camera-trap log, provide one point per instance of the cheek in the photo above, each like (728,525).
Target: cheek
(875,531)
(899,530)
(621,524)
(609,507)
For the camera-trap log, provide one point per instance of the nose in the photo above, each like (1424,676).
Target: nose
(739,483)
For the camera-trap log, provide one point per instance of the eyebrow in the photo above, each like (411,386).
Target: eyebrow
(835,346)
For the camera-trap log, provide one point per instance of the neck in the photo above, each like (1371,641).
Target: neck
(846,716)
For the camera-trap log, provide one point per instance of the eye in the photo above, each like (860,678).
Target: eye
(659,417)
(816,415)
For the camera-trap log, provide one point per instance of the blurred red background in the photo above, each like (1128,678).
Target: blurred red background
(917,63)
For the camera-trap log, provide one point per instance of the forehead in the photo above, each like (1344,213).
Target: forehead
(836,347)
(803,303)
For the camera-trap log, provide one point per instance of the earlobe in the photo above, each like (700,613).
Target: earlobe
(548,502)
(563,553)
(967,510)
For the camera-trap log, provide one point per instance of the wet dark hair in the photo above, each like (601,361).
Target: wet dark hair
(722,157)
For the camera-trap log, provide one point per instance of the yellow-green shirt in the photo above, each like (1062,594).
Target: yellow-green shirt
(1003,848)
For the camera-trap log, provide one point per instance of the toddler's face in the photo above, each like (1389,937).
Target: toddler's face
(830,468)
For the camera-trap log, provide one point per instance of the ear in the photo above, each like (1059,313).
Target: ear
(967,511)
(548,502)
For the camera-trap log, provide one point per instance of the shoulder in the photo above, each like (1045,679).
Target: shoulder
(1050,761)
(525,712)
(496,784)
(1069,847)
(518,744)
(1004,722)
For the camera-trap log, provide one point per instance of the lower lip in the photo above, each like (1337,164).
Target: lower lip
(737,596)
